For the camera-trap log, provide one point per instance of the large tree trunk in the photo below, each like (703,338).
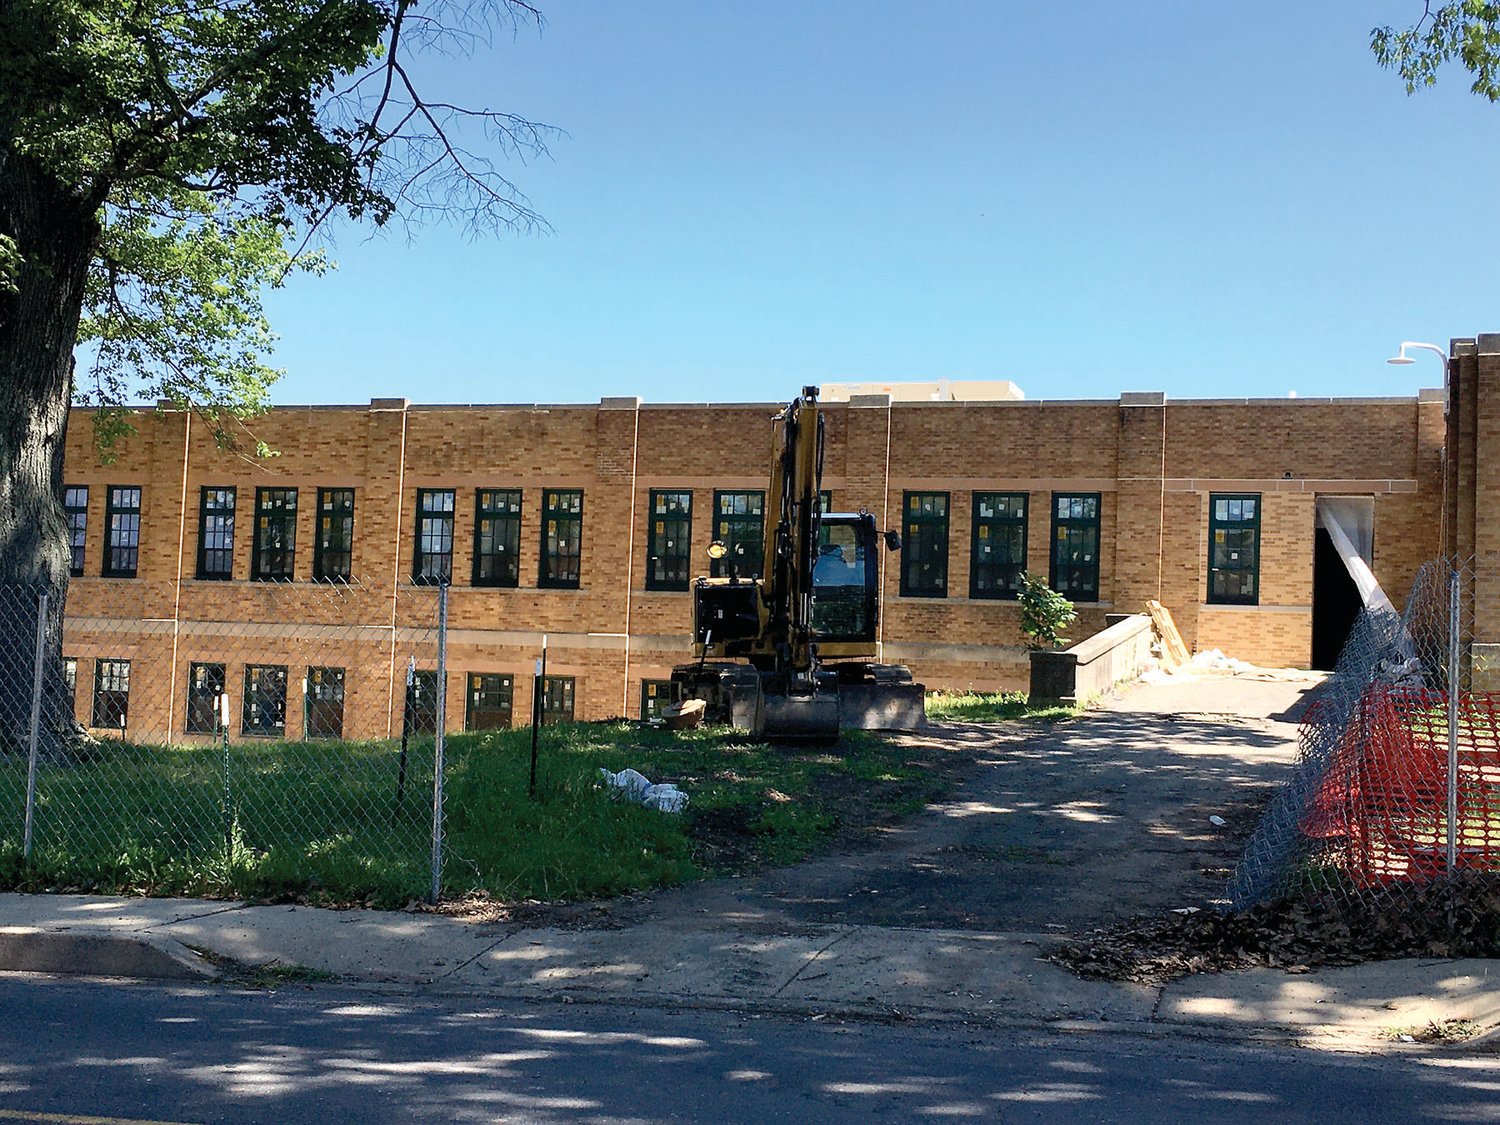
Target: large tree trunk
(55,233)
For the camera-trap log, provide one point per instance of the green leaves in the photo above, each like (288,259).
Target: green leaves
(1466,31)
(1044,613)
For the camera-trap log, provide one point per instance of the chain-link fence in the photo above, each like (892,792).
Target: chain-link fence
(1397,779)
(251,741)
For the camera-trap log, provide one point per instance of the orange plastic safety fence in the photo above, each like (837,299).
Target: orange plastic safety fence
(1381,810)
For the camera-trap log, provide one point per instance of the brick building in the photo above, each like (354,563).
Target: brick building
(588,522)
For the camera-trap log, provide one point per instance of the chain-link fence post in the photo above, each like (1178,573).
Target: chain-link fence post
(1455,582)
(34,737)
(437,750)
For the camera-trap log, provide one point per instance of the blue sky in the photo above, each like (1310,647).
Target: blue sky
(1205,199)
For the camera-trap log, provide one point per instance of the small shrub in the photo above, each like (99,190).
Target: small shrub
(1044,613)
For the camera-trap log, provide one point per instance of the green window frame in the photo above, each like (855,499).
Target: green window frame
(216,533)
(1234,548)
(333,547)
(740,524)
(497,537)
(432,558)
(76,513)
(263,711)
(489,704)
(669,539)
(924,544)
(111,694)
(998,555)
(1075,545)
(557,699)
(274,558)
(655,696)
(205,686)
(421,702)
(323,702)
(122,531)
(562,539)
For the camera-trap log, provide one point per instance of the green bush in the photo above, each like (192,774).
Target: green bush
(1044,613)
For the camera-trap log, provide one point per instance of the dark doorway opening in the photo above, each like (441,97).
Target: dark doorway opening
(1336,603)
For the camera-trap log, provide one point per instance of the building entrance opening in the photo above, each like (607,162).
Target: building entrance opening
(1343,583)
(1336,602)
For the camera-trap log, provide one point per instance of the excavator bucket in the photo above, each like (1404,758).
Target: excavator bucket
(798,718)
(882,706)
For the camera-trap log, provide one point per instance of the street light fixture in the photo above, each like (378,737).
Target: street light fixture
(1400,359)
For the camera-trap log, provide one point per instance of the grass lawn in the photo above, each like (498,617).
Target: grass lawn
(320,821)
(992,707)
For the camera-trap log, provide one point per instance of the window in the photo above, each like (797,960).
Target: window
(656,695)
(740,524)
(70,682)
(122,539)
(421,703)
(1233,549)
(489,700)
(999,555)
(333,548)
(275,554)
(497,537)
(76,512)
(924,550)
(562,538)
(433,563)
(323,698)
(264,712)
(1075,545)
(205,685)
(557,699)
(111,693)
(825,500)
(216,533)
(668,540)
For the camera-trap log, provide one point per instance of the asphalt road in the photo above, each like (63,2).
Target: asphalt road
(78,1051)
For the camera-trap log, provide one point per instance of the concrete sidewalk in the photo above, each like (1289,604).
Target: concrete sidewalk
(874,971)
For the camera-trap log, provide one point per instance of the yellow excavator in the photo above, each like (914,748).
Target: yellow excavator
(790,654)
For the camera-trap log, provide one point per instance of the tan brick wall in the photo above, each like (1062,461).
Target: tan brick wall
(1154,467)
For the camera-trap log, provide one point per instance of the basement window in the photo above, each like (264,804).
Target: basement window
(323,700)
(1233,549)
(264,711)
(669,539)
(111,694)
(999,548)
(205,685)
(1075,545)
(557,699)
(656,696)
(924,551)
(491,699)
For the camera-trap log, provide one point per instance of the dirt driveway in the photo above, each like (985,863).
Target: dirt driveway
(1060,828)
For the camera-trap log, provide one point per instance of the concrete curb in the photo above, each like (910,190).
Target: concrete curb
(28,949)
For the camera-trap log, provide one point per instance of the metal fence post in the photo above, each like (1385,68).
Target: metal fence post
(437,763)
(1455,580)
(36,721)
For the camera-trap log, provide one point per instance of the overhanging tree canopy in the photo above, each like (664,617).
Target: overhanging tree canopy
(162,162)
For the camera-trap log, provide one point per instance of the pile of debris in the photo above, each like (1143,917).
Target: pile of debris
(1442,919)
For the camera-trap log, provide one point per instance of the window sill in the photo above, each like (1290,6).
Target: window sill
(670,593)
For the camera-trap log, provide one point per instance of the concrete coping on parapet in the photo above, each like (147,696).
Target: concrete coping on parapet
(1432,394)
(1143,398)
(1487,343)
